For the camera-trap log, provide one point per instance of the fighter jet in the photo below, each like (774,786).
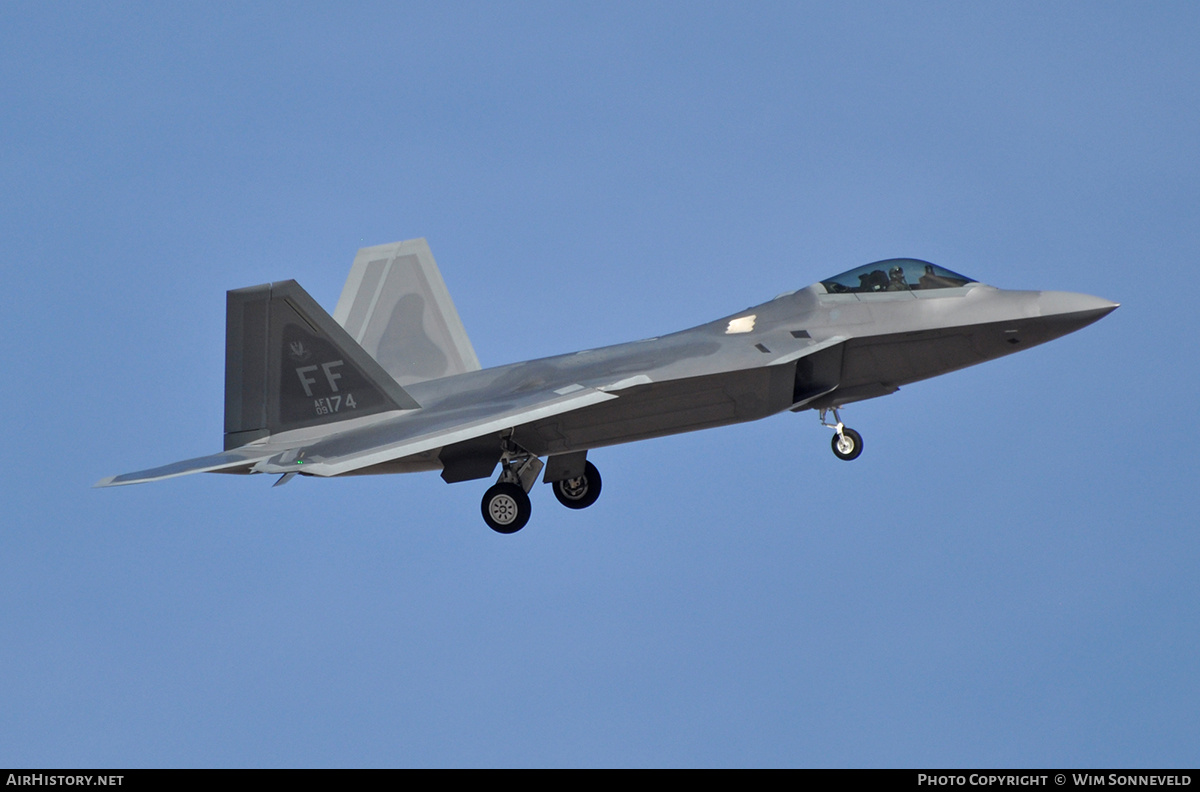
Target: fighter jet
(390,383)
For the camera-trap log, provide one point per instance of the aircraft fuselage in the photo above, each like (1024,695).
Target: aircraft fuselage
(391,384)
(738,369)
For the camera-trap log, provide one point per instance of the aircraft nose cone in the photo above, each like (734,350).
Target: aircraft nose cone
(1067,303)
(1066,312)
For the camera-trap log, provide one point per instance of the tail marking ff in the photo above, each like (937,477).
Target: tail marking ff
(289,365)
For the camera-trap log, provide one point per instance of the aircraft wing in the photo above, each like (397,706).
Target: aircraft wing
(384,441)
(422,431)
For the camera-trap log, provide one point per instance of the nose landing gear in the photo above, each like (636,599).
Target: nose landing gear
(847,443)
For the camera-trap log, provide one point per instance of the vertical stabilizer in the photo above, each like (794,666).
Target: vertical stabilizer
(288,365)
(396,306)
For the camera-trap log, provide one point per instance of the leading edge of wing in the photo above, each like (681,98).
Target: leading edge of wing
(417,433)
(228,460)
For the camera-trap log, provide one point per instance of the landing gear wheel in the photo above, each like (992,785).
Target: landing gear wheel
(506,508)
(579,493)
(848,444)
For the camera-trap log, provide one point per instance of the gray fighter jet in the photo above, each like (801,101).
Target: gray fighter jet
(391,384)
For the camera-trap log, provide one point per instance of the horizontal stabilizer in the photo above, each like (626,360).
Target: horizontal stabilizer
(229,462)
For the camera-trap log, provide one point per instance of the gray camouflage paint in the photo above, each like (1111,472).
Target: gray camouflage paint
(805,349)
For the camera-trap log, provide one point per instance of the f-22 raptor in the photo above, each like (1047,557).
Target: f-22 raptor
(390,383)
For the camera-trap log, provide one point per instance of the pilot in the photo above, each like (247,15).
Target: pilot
(896,280)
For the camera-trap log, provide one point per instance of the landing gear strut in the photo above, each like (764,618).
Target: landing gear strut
(506,507)
(847,443)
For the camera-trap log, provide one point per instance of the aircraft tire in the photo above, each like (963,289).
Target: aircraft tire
(579,493)
(848,445)
(506,508)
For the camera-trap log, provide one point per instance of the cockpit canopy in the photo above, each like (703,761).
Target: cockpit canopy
(894,275)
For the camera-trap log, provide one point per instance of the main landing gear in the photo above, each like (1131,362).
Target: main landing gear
(581,492)
(847,443)
(506,507)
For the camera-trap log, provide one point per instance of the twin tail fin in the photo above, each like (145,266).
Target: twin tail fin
(289,365)
(396,306)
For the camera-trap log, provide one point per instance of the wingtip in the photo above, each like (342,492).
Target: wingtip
(104,482)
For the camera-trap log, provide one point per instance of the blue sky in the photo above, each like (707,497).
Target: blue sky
(1006,577)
